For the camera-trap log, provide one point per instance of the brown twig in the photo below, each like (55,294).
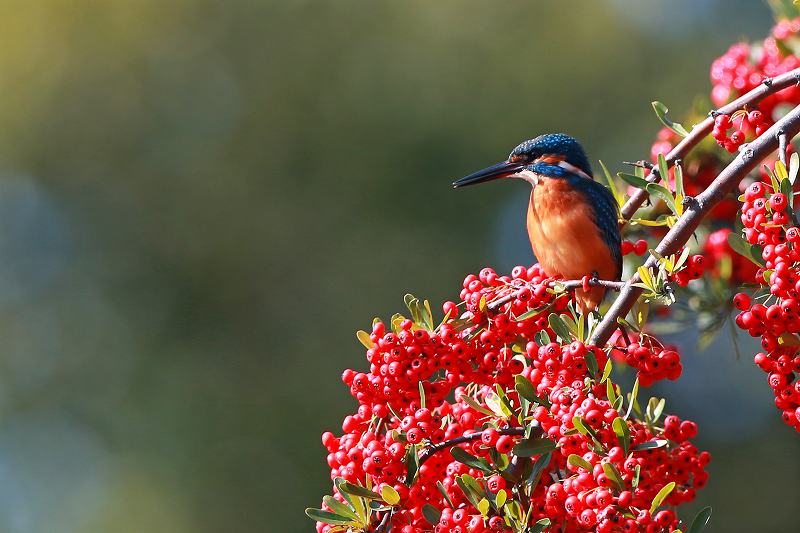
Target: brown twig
(747,159)
(494,305)
(432,449)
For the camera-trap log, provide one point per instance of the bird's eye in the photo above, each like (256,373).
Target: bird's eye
(516,158)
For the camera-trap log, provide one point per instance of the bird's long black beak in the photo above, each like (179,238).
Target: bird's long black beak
(500,170)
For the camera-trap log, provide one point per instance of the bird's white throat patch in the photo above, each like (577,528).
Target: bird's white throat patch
(531,177)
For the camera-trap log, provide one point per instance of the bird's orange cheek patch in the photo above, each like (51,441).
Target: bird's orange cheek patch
(551,159)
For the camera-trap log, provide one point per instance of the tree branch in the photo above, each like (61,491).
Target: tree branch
(432,449)
(494,305)
(747,159)
(700,131)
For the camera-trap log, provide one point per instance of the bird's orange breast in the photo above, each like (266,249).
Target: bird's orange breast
(565,237)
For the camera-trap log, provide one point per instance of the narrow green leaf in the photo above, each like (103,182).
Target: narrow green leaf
(613,474)
(577,460)
(444,494)
(743,248)
(526,390)
(612,186)
(664,194)
(607,370)
(591,363)
(623,433)
(794,166)
(540,526)
(532,447)
(702,518)
(431,514)
(679,190)
(651,445)
(637,472)
(661,112)
(496,404)
(501,498)
(527,314)
(558,325)
(327,517)
(358,490)
(636,181)
(339,508)
(462,456)
(363,338)
(661,496)
(427,315)
(663,170)
(611,391)
(483,507)
(469,400)
(412,462)
(390,495)
(634,393)
(421,395)
(538,467)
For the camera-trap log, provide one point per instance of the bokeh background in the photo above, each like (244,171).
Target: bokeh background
(201,201)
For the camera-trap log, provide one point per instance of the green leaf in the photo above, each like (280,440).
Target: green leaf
(358,490)
(427,315)
(663,170)
(743,248)
(637,471)
(591,363)
(469,400)
(612,186)
(664,194)
(702,518)
(560,327)
(623,433)
(483,506)
(390,495)
(501,498)
(412,461)
(472,491)
(636,181)
(431,514)
(526,390)
(535,446)
(794,166)
(339,508)
(462,456)
(661,496)
(496,404)
(634,393)
(444,494)
(577,460)
(611,391)
(540,526)
(421,395)
(326,517)
(538,467)
(651,445)
(661,112)
(679,190)
(527,314)
(613,474)
(786,189)
(607,370)
(364,339)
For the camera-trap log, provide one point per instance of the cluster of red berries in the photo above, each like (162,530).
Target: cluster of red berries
(768,227)
(694,268)
(744,67)
(639,247)
(742,124)
(478,355)
(652,360)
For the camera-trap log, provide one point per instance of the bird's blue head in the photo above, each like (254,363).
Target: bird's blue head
(553,155)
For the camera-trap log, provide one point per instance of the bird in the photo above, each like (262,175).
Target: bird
(572,220)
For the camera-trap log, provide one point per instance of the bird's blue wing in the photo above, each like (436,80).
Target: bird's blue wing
(606,214)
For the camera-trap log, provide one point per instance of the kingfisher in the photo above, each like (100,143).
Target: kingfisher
(573,221)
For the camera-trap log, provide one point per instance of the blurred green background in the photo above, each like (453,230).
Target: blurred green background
(201,201)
